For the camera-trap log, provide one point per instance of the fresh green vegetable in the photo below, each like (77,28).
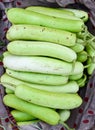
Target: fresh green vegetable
(38,48)
(11,83)
(77,47)
(82,56)
(31,17)
(22,123)
(55,12)
(64,114)
(48,115)
(82,81)
(48,99)
(39,33)
(39,64)
(79,13)
(76,76)
(91,67)
(21,116)
(90,50)
(9,91)
(38,78)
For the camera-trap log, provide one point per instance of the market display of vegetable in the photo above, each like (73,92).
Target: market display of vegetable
(46,63)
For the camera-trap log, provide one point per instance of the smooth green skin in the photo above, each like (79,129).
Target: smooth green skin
(38,64)
(53,12)
(22,16)
(39,33)
(11,83)
(82,56)
(44,65)
(77,47)
(37,48)
(81,82)
(91,66)
(48,99)
(76,77)
(90,50)
(79,13)
(38,78)
(64,114)
(21,116)
(9,91)
(45,114)
(22,123)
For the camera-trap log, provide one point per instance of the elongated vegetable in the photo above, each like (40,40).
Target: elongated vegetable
(91,67)
(79,13)
(11,83)
(48,99)
(24,123)
(52,12)
(76,76)
(9,91)
(32,109)
(38,48)
(82,81)
(22,116)
(38,78)
(64,114)
(82,56)
(77,47)
(90,50)
(41,65)
(39,33)
(31,17)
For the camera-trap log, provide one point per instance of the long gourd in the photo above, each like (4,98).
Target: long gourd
(31,17)
(8,91)
(11,83)
(39,33)
(53,12)
(64,114)
(38,78)
(48,99)
(45,114)
(25,123)
(79,13)
(76,76)
(39,64)
(38,48)
(22,116)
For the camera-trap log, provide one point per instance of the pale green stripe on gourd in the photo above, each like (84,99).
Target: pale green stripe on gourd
(48,99)
(38,48)
(39,33)
(35,110)
(38,78)
(11,83)
(31,17)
